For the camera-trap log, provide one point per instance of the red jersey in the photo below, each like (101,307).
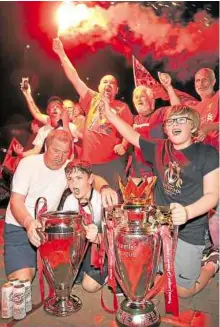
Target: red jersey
(100,136)
(209,113)
(149,126)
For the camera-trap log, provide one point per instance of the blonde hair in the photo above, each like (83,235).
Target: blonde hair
(59,135)
(148,91)
(179,110)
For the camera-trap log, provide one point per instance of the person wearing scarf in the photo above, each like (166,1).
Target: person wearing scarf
(187,180)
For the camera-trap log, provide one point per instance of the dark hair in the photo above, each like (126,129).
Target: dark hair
(81,165)
(54,98)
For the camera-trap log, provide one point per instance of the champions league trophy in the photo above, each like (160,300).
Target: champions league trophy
(62,250)
(133,241)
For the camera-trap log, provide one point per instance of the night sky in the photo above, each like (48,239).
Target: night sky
(33,24)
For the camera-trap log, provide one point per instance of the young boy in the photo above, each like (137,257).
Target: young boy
(187,181)
(80,178)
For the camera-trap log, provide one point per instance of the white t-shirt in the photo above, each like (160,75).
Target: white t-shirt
(34,179)
(45,130)
(71,203)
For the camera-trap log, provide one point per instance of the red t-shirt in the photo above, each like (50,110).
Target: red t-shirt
(209,113)
(149,127)
(100,136)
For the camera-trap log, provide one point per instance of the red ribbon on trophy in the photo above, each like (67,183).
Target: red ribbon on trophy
(171,296)
(111,268)
(97,250)
(111,257)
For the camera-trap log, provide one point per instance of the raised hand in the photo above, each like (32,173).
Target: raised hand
(58,46)
(25,87)
(165,79)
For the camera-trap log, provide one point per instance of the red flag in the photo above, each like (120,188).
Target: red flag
(143,77)
(11,161)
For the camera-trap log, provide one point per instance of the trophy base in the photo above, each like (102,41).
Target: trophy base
(133,314)
(62,307)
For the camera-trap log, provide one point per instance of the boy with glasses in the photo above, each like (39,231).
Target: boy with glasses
(187,175)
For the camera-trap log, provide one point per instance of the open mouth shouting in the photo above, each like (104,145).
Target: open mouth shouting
(54,113)
(76,191)
(176,131)
(108,90)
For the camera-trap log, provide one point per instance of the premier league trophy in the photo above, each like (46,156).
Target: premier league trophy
(62,250)
(133,240)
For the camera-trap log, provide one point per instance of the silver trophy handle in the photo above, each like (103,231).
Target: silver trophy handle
(37,212)
(42,235)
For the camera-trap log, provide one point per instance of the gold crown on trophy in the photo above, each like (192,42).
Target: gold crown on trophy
(138,190)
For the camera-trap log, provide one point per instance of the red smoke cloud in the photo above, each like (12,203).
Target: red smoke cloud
(130,28)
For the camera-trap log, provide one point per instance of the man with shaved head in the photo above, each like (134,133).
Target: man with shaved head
(103,146)
(209,106)
(204,82)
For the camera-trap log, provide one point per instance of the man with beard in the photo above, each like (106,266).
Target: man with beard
(87,200)
(103,146)
(208,107)
(42,175)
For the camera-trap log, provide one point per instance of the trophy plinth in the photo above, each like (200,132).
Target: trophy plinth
(137,314)
(62,250)
(62,306)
